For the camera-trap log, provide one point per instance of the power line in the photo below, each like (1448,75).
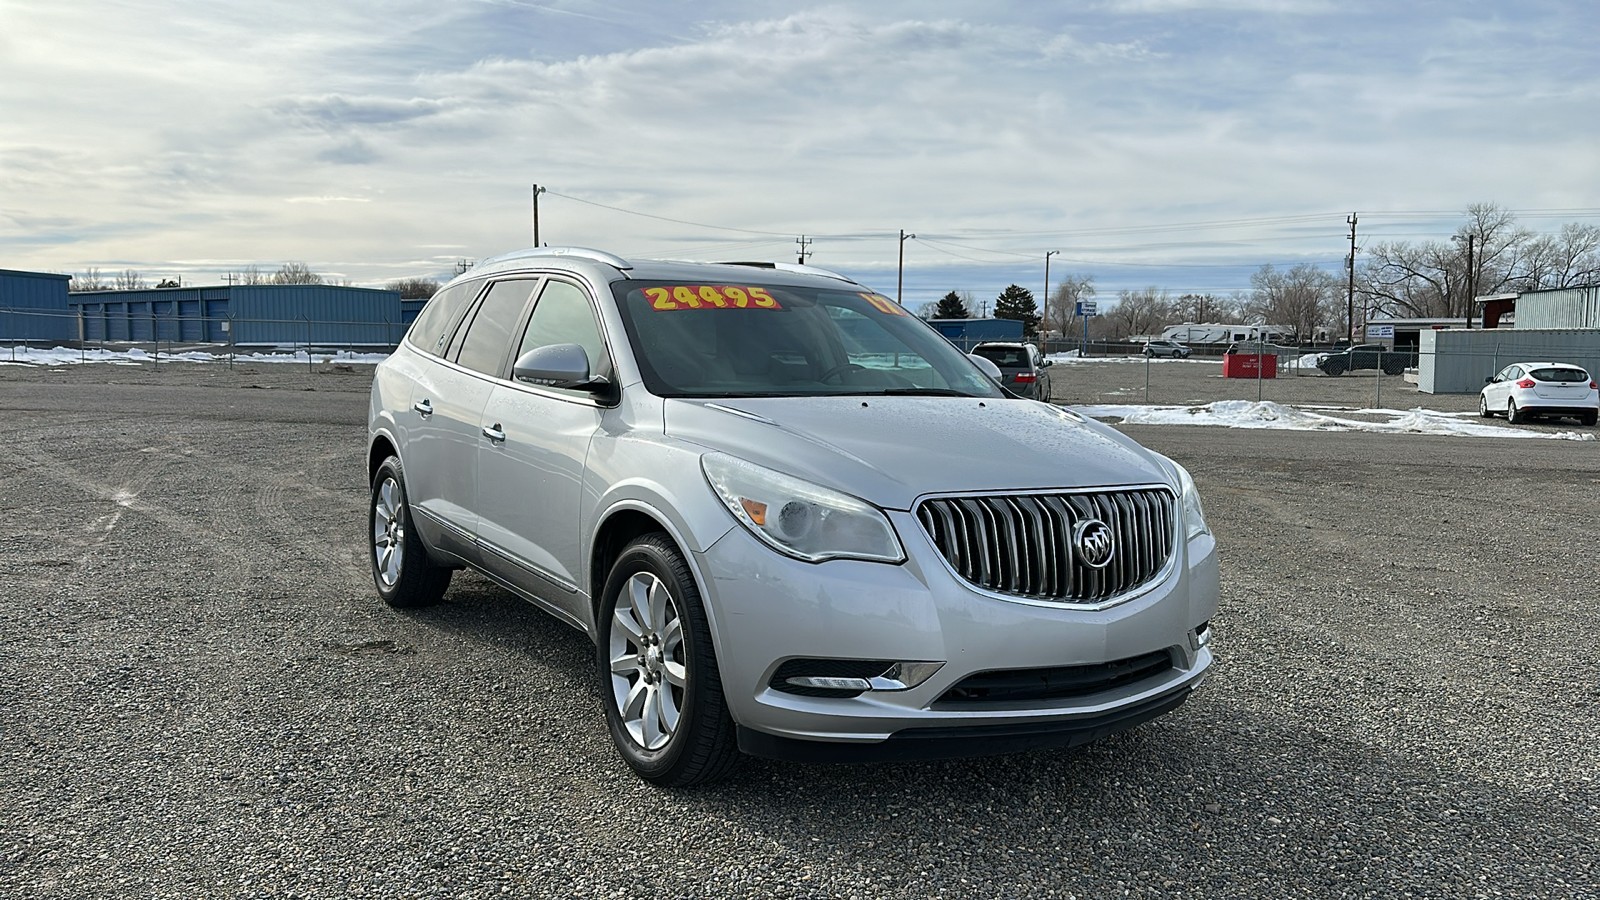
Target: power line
(632,212)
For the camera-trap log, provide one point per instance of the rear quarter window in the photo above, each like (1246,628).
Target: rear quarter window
(433,325)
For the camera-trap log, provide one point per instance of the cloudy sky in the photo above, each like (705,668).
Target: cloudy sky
(1179,144)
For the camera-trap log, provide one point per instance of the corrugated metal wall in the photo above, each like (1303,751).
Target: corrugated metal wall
(270,315)
(320,314)
(193,315)
(33,307)
(1457,361)
(1577,307)
(967,333)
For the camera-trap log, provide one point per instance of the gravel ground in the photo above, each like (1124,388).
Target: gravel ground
(201,696)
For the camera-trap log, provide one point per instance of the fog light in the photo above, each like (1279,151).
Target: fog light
(830,683)
(1200,636)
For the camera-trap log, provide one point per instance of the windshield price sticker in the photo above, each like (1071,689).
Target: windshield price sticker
(883,304)
(710,296)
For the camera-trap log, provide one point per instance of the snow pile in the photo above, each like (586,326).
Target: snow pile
(1266,414)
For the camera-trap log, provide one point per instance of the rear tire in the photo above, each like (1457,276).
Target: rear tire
(405,575)
(1589,417)
(1513,415)
(659,680)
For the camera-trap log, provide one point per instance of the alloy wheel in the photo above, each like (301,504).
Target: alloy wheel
(388,532)
(649,673)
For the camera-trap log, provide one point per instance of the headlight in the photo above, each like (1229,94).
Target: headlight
(798,518)
(1194,515)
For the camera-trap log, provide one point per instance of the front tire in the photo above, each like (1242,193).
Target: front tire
(405,575)
(659,679)
(1483,407)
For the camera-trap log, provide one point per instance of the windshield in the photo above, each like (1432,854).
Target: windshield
(753,340)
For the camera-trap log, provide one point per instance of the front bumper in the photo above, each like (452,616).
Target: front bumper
(767,610)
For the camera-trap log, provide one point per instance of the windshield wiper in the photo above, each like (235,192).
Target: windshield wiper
(919,392)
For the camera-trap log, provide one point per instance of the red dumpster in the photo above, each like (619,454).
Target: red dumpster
(1250,365)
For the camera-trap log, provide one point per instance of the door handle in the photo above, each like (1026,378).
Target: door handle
(493,433)
(424,407)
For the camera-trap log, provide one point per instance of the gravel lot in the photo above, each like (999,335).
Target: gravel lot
(201,695)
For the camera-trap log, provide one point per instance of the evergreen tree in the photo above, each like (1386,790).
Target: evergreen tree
(1016,302)
(951,307)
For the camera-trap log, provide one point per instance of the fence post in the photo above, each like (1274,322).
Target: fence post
(229,323)
(1261,363)
(1377,382)
(1147,357)
(310,366)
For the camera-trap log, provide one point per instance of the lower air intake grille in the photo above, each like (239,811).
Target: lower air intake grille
(1035,545)
(1061,682)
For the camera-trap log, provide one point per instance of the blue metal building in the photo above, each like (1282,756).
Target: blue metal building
(968,333)
(256,315)
(33,307)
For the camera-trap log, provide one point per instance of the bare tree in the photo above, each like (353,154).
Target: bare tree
(414,288)
(1062,309)
(1568,259)
(1304,298)
(1138,313)
(130,280)
(1434,279)
(90,280)
(1207,308)
(295,273)
(252,274)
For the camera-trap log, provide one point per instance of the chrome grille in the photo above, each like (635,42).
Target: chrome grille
(1022,544)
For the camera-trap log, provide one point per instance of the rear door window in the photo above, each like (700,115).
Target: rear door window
(487,343)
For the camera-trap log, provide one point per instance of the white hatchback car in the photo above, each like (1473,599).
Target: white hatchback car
(794,519)
(1524,390)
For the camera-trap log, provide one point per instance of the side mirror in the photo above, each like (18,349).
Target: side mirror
(559,366)
(1046,363)
(1489,380)
(986,364)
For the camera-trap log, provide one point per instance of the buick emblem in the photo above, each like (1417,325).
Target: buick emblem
(1095,543)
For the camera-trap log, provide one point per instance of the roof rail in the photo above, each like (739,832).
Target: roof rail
(599,256)
(793,267)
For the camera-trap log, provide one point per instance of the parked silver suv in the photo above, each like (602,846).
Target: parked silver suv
(794,519)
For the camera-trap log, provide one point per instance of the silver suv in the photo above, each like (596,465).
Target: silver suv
(794,519)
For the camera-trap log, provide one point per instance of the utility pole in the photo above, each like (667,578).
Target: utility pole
(1350,296)
(536,192)
(1471,288)
(804,243)
(1044,323)
(900,280)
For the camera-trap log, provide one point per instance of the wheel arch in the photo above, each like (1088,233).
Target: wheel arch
(380,449)
(619,526)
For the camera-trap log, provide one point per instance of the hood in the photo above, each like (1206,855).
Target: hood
(891,450)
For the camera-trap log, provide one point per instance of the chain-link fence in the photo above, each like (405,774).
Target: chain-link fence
(45,334)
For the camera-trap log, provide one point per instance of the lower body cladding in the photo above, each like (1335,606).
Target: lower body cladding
(858,661)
